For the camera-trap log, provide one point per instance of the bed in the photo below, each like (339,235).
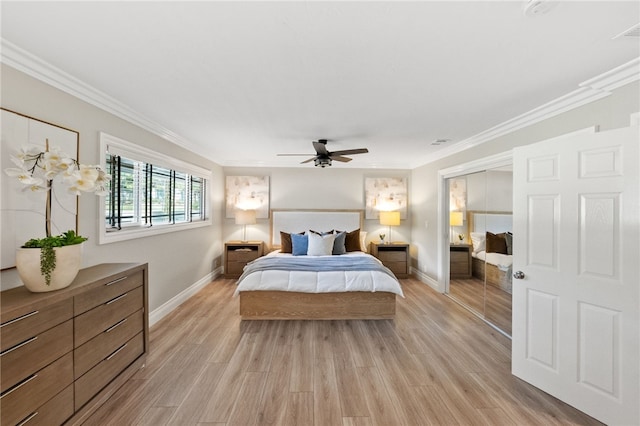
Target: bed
(317,285)
(495,267)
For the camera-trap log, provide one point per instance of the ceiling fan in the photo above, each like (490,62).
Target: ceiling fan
(324,157)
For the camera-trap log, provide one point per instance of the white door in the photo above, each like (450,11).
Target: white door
(576,331)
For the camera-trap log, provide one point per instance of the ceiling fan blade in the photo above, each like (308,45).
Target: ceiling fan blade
(339,158)
(350,151)
(292,155)
(309,160)
(320,148)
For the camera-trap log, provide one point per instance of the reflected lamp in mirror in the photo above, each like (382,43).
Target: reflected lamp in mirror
(244,218)
(390,218)
(455,219)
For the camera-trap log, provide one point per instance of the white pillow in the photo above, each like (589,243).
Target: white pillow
(479,240)
(320,245)
(363,244)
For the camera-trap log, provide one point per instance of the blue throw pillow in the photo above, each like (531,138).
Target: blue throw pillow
(299,244)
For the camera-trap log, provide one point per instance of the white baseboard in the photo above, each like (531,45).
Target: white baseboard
(426,279)
(166,308)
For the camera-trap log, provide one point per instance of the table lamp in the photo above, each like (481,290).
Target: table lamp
(390,219)
(245,217)
(455,219)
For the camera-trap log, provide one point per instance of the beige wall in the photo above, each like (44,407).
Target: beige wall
(608,113)
(176,260)
(316,188)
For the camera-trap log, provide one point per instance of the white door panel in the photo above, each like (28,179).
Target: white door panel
(576,238)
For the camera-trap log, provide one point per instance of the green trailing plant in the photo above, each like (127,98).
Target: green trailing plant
(47,252)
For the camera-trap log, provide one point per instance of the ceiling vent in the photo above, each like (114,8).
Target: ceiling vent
(633,32)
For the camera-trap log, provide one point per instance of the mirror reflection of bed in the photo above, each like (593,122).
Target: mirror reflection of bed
(488,290)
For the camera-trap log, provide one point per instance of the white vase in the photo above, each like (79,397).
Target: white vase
(68,260)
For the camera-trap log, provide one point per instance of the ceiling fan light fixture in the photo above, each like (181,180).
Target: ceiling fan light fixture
(322,162)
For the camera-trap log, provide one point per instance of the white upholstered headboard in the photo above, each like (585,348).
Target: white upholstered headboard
(494,222)
(318,220)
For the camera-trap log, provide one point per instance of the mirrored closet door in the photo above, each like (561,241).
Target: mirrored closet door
(480,244)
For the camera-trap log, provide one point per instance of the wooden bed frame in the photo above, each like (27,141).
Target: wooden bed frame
(283,305)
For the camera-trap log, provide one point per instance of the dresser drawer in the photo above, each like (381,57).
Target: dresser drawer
(35,353)
(97,320)
(28,324)
(106,292)
(23,399)
(54,412)
(101,346)
(100,375)
(242,256)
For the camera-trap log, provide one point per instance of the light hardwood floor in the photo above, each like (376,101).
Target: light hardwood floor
(489,301)
(436,363)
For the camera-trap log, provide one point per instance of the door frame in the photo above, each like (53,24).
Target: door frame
(481,164)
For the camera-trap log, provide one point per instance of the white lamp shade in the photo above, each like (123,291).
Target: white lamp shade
(390,218)
(455,219)
(245,217)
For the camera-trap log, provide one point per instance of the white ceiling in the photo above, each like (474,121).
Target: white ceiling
(243,81)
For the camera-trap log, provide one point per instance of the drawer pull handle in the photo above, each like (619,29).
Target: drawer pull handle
(116,352)
(116,299)
(19,345)
(19,385)
(25,421)
(19,318)
(115,325)
(116,281)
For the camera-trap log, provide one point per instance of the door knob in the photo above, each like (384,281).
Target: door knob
(518,275)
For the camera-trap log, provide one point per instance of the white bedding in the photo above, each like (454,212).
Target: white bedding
(502,261)
(319,282)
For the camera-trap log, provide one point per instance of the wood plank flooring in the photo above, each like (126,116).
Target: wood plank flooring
(435,364)
(490,301)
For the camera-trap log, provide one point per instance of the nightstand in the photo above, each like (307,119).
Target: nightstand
(394,256)
(238,253)
(460,261)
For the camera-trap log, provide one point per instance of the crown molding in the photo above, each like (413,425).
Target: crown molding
(589,91)
(23,61)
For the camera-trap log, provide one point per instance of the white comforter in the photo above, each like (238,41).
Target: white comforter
(502,261)
(319,282)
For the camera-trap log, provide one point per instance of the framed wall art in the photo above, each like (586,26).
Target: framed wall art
(247,193)
(385,193)
(22,213)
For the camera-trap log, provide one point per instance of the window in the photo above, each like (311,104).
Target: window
(150,193)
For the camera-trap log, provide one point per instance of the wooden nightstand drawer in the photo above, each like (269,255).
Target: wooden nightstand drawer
(237,254)
(21,400)
(27,324)
(394,256)
(242,256)
(99,319)
(37,352)
(460,261)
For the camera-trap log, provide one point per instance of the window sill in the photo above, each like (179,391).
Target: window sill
(147,231)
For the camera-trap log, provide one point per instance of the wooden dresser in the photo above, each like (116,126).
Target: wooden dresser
(64,353)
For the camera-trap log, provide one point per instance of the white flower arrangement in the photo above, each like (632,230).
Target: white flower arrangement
(36,169)
(52,162)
